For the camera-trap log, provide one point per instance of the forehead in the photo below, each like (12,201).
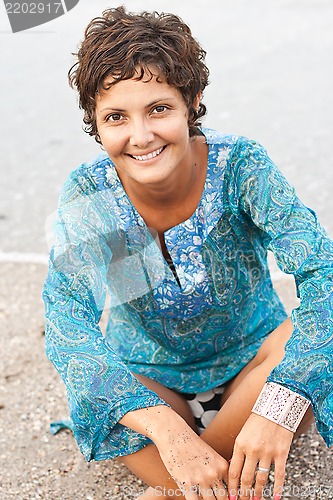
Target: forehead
(136,92)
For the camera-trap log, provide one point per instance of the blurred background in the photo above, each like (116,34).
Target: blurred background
(271,79)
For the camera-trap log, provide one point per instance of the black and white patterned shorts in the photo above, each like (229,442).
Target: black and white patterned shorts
(204,406)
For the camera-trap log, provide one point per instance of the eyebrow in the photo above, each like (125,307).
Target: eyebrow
(119,110)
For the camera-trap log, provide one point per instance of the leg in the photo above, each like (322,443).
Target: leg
(243,390)
(237,402)
(146,463)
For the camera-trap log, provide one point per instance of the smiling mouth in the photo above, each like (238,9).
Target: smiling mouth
(149,156)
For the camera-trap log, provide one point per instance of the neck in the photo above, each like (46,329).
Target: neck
(168,195)
(171,193)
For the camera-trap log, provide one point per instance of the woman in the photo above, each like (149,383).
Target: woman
(176,221)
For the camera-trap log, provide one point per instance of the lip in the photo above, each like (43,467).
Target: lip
(148,156)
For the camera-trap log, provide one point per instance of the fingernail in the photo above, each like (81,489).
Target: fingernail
(233,497)
(256,498)
(277,497)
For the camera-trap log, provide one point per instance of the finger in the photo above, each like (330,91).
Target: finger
(261,478)
(207,493)
(279,475)
(220,490)
(234,474)
(191,492)
(247,478)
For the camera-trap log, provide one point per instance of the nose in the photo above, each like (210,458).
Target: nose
(141,134)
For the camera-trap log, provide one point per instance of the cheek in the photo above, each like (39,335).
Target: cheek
(112,142)
(177,130)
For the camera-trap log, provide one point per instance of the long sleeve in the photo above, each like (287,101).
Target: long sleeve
(260,194)
(100,387)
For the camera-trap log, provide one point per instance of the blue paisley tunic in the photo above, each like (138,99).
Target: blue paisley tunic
(195,332)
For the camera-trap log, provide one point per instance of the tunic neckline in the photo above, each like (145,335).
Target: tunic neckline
(172,229)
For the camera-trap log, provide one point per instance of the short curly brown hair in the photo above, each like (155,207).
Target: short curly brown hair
(119,43)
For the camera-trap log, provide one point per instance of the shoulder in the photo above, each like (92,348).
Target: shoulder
(235,143)
(219,139)
(234,150)
(88,178)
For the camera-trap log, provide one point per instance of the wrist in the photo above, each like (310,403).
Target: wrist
(155,422)
(169,427)
(281,405)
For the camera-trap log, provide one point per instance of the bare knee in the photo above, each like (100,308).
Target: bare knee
(273,347)
(177,402)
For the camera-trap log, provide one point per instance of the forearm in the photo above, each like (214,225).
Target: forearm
(156,422)
(191,463)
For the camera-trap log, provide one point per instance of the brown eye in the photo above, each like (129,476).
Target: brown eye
(115,117)
(160,109)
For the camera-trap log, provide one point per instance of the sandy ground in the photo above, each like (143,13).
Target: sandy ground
(38,465)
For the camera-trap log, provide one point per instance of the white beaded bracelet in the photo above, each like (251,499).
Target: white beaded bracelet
(281,405)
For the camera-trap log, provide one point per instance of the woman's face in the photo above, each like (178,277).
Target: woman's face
(143,126)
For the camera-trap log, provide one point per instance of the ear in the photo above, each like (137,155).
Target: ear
(196,101)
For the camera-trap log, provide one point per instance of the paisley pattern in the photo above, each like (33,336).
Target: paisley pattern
(197,332)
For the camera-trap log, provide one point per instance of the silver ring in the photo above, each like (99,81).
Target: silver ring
(262,469)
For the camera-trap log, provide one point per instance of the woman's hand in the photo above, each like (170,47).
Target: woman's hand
(196,468)
(259,444)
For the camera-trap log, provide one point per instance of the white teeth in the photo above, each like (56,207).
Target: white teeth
(149,156)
